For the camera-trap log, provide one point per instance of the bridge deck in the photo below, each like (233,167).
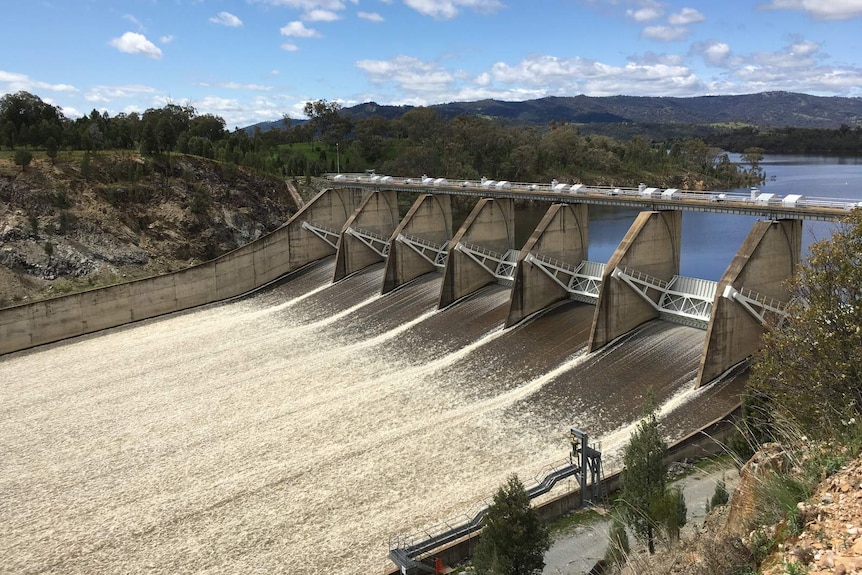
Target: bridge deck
(765,205)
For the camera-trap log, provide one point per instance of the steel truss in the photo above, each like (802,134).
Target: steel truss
(377,243)
(582,282)
(756,304)
(671,299)
(328,235)
(434,253)
(501,266)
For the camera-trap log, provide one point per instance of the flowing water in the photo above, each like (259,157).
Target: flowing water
(298,429)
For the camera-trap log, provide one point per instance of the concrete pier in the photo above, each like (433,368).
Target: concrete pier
(651,247)
(429,219)
(491,225)
(251,266)
(366,234)
(562,235)
(768,258)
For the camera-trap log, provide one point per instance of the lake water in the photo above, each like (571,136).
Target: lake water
(709,241)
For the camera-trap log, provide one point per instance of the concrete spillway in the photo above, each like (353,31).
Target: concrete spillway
(295,430)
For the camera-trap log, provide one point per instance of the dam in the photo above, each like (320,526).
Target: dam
(298,427)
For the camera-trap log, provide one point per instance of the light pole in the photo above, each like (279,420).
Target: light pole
(337,158)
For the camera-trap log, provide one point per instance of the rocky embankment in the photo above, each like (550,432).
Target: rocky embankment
(772,526)
(83,222)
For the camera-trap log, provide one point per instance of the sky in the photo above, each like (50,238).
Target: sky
(256,60)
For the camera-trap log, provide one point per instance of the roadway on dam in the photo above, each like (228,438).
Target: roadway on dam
(297,429)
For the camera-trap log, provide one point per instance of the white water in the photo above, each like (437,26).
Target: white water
(248,438)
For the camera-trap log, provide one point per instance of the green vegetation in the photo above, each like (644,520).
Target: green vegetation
(807,376)
(647,503)
(618,542)
(417,142)
(789,140)
(514,539)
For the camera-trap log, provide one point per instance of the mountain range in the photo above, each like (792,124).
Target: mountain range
(763,110)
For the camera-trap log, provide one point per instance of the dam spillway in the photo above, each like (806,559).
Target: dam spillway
(295,430)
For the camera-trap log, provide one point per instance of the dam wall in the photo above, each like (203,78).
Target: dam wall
(491,226)
(430,220)
(562,235)
(373,221)
(234,273)
(768,259)
(652,247)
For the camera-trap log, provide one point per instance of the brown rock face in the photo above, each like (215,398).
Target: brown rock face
(767,461)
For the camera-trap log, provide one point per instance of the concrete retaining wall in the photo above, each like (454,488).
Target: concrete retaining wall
(562,235)
(651,246)
(237,272)
(769,256)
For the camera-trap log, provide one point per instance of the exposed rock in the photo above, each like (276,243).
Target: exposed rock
(769,460)
(60,232)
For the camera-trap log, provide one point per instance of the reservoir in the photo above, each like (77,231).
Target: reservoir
(298,429)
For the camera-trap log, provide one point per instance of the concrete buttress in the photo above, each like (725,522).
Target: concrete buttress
(651,247)
(561,235)
(429,219)
(375,218)
(491,226)
(769,256)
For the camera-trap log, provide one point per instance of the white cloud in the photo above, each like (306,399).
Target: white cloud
(289,47)
(409,73)
(370,16)
(713,52)
(448,9)
(71,112)
(666,33)
(822,9)
(297,29)
(238,113)
(645,14)
(306,5)
(167,39)
(237,86)
(104,94)
(134,43)
(321,16)
(133,20)
(226,19)
(685,17)
(16,82)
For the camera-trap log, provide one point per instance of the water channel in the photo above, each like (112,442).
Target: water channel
(296,430)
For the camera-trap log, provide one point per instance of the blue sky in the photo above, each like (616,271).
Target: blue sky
(255,60)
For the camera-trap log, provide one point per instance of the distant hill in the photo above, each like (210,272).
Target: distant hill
(766,109)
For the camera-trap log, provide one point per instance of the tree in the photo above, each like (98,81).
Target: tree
(326,118)
(23,158)
(51,149)
(643,479)
(808,372)
(514,539)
